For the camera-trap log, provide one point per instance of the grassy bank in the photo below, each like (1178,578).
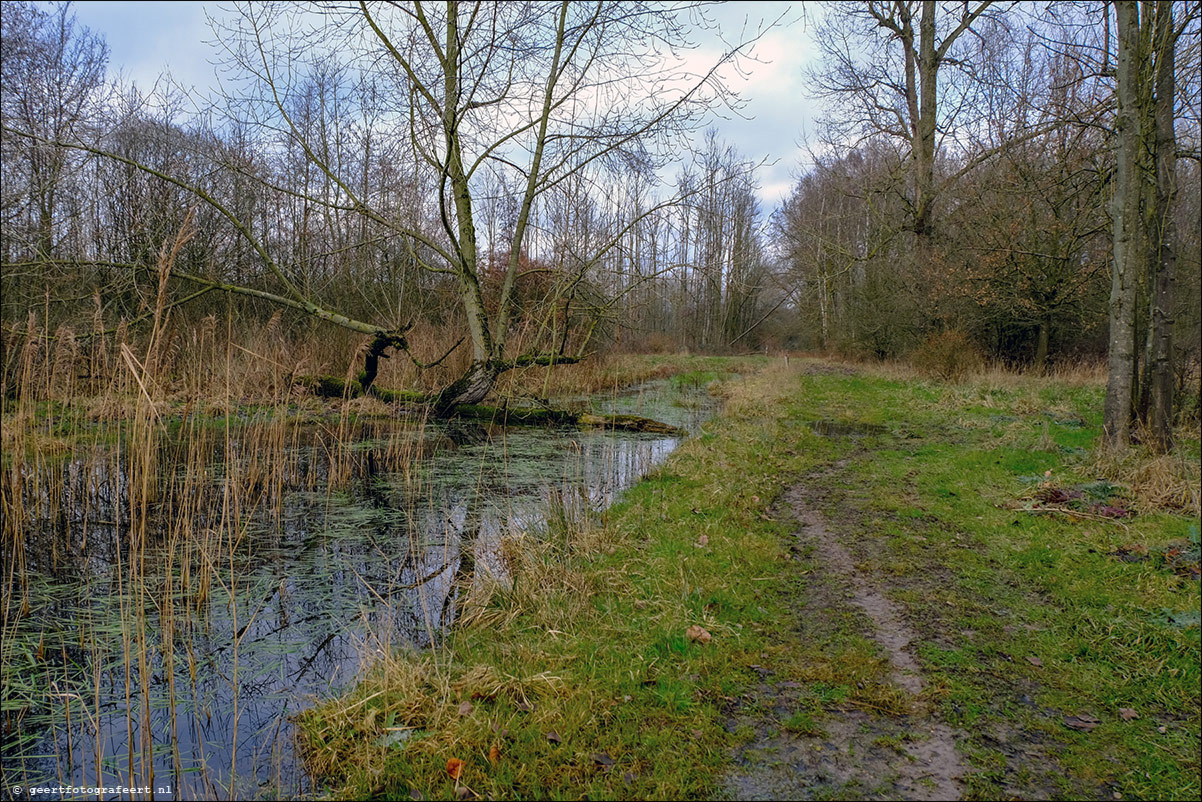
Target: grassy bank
(1051,594)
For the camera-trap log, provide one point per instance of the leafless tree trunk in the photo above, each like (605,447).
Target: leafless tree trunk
(1128,240)
(1160,414)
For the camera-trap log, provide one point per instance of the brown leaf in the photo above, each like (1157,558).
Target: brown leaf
(703,541)
(698,634)
(1035,661)
(1081,723)
(462,792)
(524,707)
(455,768)
(1127,713)
(465,708)
(602,759)
(494,754)
(554,738)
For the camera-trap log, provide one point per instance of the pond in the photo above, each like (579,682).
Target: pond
(172,600)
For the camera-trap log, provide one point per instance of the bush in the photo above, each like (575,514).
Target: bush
(947,355)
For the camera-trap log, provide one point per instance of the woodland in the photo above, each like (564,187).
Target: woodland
(476,190)
(434,406)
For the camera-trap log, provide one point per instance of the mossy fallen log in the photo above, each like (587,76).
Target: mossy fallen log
(631,423)
(538,416)
(337,387)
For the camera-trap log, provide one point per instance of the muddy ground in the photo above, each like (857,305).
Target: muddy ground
(852,751)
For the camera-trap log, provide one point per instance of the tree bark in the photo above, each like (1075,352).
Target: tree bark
(471,388)
(1041,348)
(1160,413)
(924,124)
(1128,250)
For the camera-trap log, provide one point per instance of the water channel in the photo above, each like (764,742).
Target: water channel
(178,666)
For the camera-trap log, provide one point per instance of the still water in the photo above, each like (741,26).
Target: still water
(177,668)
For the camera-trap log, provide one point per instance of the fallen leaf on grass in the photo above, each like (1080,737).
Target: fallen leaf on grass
(494,754)
(1081,723)
(465,708)
(603,759)
(454,768)
(698,634)
(1035,661)
(462,792)
(554,738)
(1127,713)
(703,541)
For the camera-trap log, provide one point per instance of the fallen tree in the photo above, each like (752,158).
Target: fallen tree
(508,415)
(492,95)
(528,416)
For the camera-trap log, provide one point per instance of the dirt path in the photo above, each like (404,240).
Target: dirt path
(856,754)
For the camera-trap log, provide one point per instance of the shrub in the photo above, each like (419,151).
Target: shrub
(947,355)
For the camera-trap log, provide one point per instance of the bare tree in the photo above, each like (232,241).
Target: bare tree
(54,85)
(386,125)
(902,70)
(1144,232)
(533,92)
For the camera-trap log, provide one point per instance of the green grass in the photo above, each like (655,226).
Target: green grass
(990,585)
(591,640)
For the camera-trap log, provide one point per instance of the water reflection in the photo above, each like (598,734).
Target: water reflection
(176,663)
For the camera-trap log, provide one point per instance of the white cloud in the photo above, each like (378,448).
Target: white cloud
(148,38)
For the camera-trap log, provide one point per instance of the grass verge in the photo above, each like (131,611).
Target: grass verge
(609,665)
(579,678)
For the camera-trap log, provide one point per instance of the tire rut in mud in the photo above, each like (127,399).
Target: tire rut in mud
(858,754)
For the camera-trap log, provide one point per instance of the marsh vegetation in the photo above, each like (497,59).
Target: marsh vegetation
(326,391)
(182,582)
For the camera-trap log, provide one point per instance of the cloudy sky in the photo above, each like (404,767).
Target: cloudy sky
(146,38)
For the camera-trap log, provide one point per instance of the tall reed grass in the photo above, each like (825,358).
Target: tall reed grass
(134,468)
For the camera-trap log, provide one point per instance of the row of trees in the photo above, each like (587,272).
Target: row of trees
(480,165)
(991,170)
(492,172)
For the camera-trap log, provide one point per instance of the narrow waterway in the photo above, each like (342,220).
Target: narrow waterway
(163,641)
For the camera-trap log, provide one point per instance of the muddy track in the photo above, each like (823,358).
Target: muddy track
(858,754)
